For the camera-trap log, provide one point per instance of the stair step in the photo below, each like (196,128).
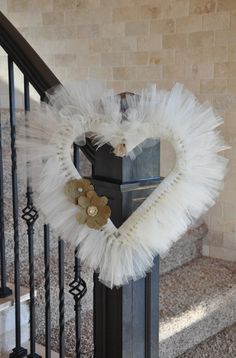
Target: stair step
(187,248)
(197,301)
(7,302)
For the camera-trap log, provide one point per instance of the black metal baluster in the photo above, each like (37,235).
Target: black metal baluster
(18,351)
(4,290)
(78,285)
(61,298)
(47,292)
(30,215)
(78,290)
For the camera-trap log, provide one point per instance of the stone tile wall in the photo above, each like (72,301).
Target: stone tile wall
(128,43)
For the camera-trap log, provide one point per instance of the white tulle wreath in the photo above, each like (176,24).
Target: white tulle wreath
(127,252)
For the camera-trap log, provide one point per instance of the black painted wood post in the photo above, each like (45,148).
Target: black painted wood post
(126,320)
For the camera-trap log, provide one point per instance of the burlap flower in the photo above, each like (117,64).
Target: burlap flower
(77,187)
(94,211)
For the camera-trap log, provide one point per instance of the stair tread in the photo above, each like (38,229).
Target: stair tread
(223,344)
(197,300)
(7,302)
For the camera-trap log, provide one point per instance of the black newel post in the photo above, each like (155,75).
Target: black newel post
(126,320)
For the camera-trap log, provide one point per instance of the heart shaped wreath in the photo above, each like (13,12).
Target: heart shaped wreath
(69,202)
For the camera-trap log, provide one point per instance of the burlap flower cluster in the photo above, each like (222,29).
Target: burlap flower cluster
(94,211)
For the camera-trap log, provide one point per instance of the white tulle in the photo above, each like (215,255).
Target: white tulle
(186,193)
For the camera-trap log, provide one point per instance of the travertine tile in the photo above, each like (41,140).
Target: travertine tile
(148,73)
(226,5)
(136,58)
(66,5)
(77,73)
(222,70)
(112,59)
(202,6)
(113,30)
(64,32)
(124,14)
(65,60)
(153,42)
(200,70)
(162,26)
(177,8)
(84,60)
(174,71)
(29,5)
(136,28)
(124,73)
(216,21)
(100,45)
(117,86)
(53,18)
(124,44)
(189,24)
(88,31)
(174,41)
(149,12)
(100,73)
(201,39)
(162,57)
(214,86)
(135,86)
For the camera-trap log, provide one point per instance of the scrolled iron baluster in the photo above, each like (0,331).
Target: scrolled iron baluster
(78,290)
(30,215)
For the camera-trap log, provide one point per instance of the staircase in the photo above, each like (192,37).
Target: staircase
(197,294)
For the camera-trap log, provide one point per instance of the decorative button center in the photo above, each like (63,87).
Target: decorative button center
(92,210)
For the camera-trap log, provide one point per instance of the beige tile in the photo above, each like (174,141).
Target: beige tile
(84,60)
(175,41)
(100,45)
(192,84)
(29,5)
(137,28)
(100,73)
(112,59)
(113,30)
(201,39)
(162,57)
(136,58)
(232,88)
(226,5)
(222,70)
(200,70)
(88,4)
(64,32)
(117,86)
(233,21)
(135,86)
(219,21)
(162,26)
(77,73)
(149,12)
(222,37)
(65,60)
(201,54)
(65,4)
(124,73)
(123,44)
(149,73)
(88,16)
(81,44)
(124,14)
(24,19)
(177,8)
(214,86)
(174,71)
(202,6)
(189,23)
(53,18)
(230,240)
(88,31)
(150,43)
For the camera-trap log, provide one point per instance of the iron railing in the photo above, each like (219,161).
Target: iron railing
(37,74)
